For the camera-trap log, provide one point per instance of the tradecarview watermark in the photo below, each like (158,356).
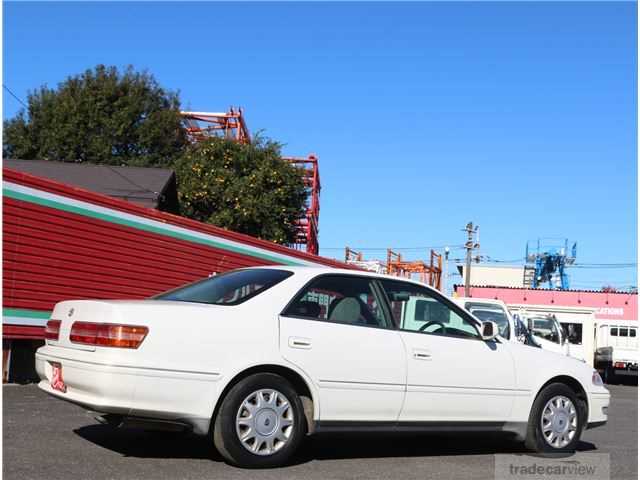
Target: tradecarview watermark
(588,466)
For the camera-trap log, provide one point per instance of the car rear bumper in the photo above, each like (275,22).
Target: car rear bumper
(92,386)
(186,397)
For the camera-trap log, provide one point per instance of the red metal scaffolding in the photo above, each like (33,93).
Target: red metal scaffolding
(307,235)
(231,125)
(351,255)
(430,274)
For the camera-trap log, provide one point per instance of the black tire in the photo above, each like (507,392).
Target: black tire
(609,375)
(226,438)
(535,440)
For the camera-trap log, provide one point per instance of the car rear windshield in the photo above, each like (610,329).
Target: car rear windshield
(231,288)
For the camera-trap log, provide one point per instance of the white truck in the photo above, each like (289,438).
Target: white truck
(611,346)
(538,330)
(616,349)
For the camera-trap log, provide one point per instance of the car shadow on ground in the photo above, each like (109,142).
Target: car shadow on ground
(331,447)
(133,442)
(146,444)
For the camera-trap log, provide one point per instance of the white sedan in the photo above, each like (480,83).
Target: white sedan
(259,358)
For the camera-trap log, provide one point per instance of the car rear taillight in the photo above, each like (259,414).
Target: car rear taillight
(108,334)
(52,330)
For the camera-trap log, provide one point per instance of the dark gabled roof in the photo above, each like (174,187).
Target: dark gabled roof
(148,187)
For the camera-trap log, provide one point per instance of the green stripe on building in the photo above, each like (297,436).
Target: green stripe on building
(24,313)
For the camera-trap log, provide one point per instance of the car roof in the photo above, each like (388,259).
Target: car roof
(312,271)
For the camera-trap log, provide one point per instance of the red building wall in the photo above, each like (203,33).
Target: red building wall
(62,242)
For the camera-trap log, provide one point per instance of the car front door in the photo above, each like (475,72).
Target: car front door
(337,331)
(452,374)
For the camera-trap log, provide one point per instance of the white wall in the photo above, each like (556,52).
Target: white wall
(493,276)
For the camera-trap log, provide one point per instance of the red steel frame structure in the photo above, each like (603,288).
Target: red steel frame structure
(307,235)
(231,125)
(351,255)
(430,274)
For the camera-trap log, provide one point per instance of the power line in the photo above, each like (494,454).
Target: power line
(495,260)
(15,96)
(367,249)
(143,188)
(603,266)
(621,264)
(488,259)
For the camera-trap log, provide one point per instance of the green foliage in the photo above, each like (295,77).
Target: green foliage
(100,116)
(244,188)
(105,116)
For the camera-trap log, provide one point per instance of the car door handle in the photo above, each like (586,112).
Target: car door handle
(300,342)
(421,354)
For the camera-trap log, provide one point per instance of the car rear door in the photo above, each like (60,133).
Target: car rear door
(336,330)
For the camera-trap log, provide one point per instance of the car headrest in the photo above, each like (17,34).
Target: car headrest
(345,309)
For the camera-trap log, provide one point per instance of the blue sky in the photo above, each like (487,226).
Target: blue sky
(518,116)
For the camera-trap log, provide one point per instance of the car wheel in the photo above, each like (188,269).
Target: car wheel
(260,423)
(556,421)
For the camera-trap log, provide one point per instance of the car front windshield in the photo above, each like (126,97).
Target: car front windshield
(545,327)
(230,288)
(493,315)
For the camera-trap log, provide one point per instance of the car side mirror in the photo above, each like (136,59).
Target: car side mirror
(489,330)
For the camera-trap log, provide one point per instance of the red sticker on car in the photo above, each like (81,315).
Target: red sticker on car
(57,383)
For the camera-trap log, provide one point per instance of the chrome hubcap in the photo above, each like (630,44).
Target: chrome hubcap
(559,421)
(264,422)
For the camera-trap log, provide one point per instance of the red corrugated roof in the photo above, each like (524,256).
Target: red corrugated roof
(546,289)
(106,201)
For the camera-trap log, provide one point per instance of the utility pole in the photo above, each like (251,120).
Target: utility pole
(469,246)
(445,270)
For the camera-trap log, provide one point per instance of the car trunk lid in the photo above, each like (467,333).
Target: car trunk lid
(94,311)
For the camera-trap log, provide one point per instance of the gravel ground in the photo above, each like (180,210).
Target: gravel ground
(45,438)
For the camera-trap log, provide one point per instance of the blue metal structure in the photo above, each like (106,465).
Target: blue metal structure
(549,261)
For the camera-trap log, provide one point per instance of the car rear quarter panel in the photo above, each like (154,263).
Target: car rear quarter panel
(190,352)
(201,348)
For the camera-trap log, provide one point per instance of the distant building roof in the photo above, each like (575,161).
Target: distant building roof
(148,187)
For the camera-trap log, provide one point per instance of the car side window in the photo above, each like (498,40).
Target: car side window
(341,299)
(417,309)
